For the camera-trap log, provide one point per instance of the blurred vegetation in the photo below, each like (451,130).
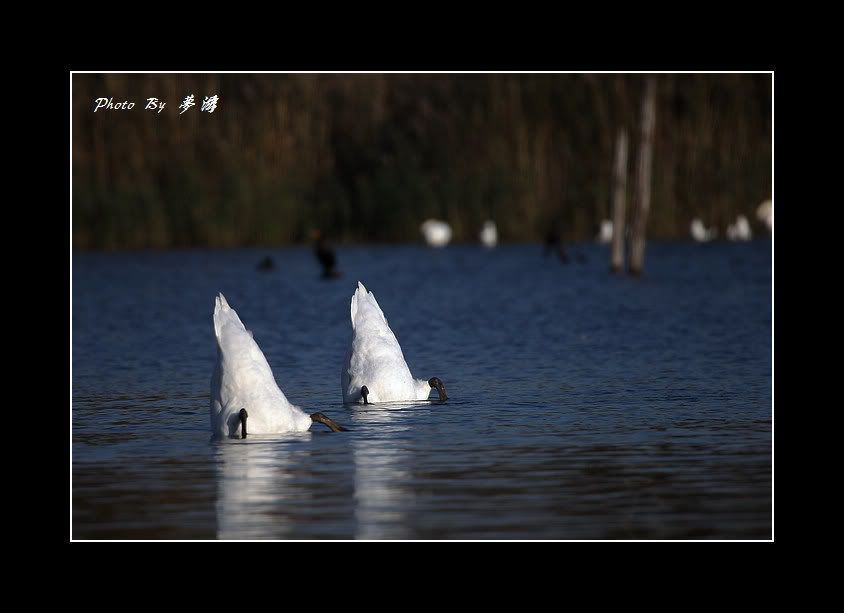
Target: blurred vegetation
(368,157)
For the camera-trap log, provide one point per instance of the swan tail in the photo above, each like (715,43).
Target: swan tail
(359,292)
(362,298)
(223,313)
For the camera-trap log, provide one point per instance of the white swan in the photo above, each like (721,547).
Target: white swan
(375,370)
(243,386)
(605,233)
(739,231)
(700,233)
(489,234)
(765,213)
(437,233)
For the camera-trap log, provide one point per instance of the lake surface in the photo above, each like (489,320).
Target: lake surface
(581,405)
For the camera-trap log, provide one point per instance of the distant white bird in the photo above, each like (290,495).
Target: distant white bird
(605,233)
(243,386)
(489,234)
(375,370)
(700,233)
(437,233)
(765,213)
(739,231)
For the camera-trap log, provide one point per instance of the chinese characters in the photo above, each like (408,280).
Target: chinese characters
(186,104)
(209,104)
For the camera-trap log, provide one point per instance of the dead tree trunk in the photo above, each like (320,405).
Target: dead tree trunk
(618,201)
(643,179)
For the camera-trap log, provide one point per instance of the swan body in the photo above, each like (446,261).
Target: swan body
(243,379)
(489,234)
(375,359)
(700,233)
(605,233)
(765,213)
(437,233)
(739,231)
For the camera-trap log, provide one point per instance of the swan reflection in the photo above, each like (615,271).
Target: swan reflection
(256,487)
(383,493)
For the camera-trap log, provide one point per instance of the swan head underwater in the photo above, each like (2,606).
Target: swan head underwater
(243,388)
(375,370)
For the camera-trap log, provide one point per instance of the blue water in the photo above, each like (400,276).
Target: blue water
(581,405)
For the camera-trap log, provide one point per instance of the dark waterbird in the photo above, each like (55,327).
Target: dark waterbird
(265,264)
(554,244)
(326,256)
